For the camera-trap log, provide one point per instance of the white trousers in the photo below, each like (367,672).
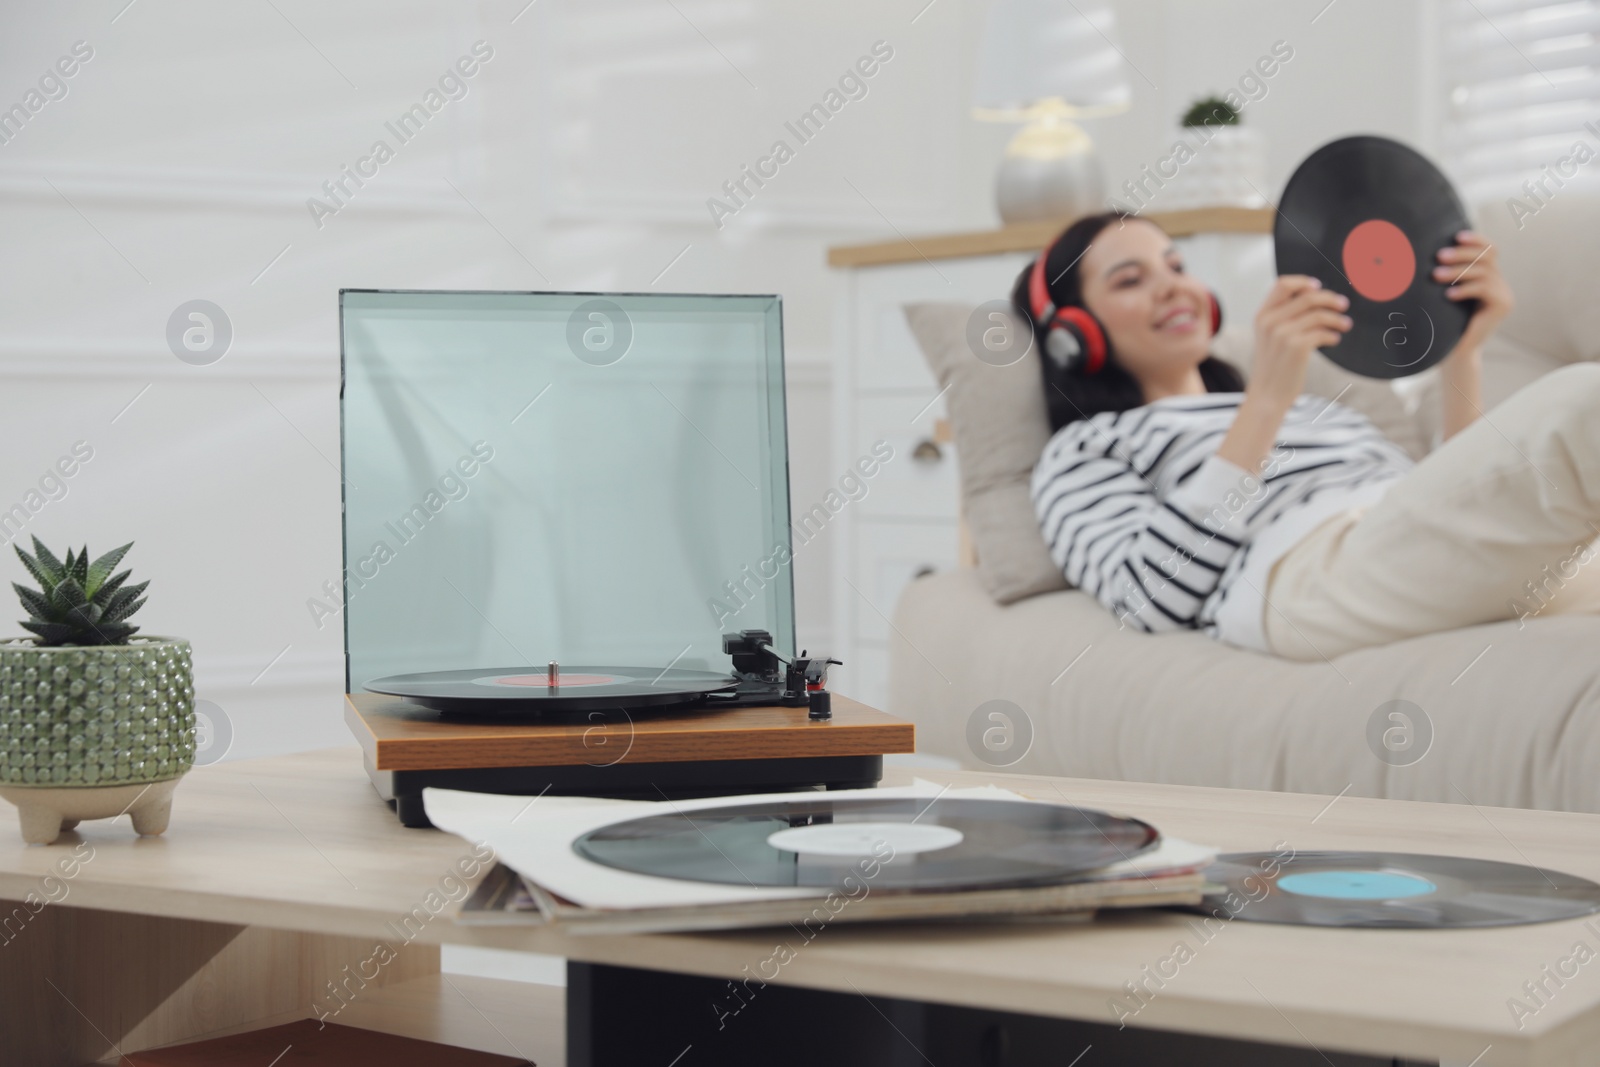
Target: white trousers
(1497,523)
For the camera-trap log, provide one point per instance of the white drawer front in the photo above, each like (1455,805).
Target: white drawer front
(921,480)
(887,354)
(889,555)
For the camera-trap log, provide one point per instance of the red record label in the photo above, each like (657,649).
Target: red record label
(1379,260)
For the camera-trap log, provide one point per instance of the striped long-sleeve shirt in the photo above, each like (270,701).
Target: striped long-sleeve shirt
(1140,512)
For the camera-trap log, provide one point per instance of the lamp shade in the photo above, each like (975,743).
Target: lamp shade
(1036,50)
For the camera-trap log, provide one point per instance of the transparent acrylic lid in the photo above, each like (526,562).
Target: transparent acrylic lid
(590,479)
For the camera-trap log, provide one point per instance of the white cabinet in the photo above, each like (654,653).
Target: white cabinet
(920,481)
(907,522)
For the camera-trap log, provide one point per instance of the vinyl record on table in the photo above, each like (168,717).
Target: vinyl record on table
(527,690)
(1368,216)
(1392,889)
(905,843)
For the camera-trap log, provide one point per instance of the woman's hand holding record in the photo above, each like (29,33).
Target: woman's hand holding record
(1470,271)
(1366,216)
(1298,317)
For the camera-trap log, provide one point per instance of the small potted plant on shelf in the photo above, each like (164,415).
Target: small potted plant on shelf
(95,722)
(1227,162)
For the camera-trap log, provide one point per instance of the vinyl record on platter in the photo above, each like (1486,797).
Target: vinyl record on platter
(890,843)
(529,690)
(1367,216)
(1392,889)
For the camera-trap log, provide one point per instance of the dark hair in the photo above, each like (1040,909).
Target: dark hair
(1071,395)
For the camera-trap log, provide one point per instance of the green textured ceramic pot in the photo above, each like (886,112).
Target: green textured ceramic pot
(82,726)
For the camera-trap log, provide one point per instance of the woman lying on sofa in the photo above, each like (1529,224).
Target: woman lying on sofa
(1183,497)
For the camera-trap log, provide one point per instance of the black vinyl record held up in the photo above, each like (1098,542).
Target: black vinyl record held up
(1391,889)
(1367,216)
(890,843)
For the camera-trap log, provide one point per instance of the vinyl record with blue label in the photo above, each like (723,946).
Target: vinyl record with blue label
(1367,216)
(1391,889)
(889,843)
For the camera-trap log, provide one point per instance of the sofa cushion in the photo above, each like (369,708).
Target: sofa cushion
(1552,261)
(1104,702)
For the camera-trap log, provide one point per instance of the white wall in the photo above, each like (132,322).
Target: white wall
(178,167)
(179,164)
(1358,68)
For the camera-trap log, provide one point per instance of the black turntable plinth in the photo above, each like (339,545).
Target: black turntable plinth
(671,753)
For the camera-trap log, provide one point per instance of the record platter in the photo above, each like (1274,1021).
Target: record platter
(1367,216)
(553,689)
(761,675)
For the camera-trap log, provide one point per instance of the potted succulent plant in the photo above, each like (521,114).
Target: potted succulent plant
(95,722)
(1227,162)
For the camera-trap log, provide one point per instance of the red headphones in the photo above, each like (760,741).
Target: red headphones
(1074,338)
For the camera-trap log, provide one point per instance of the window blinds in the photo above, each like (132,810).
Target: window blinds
(1522,84)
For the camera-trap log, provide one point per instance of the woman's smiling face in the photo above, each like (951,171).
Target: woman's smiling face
(1157,318)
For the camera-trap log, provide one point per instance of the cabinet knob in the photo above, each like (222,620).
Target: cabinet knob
(927,450)
(923,571)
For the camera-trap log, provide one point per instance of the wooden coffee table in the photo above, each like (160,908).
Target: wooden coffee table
(279,879)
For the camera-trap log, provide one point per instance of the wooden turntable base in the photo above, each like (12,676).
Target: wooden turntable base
(645,754)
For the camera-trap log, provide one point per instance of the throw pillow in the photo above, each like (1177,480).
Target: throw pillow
(998,417)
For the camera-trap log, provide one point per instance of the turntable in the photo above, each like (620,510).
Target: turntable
(567,553)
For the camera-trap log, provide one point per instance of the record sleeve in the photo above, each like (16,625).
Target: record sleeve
(545,881)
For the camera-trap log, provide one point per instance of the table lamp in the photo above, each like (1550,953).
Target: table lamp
(1045,63)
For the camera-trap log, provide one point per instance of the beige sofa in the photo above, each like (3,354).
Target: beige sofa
(1513,709)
